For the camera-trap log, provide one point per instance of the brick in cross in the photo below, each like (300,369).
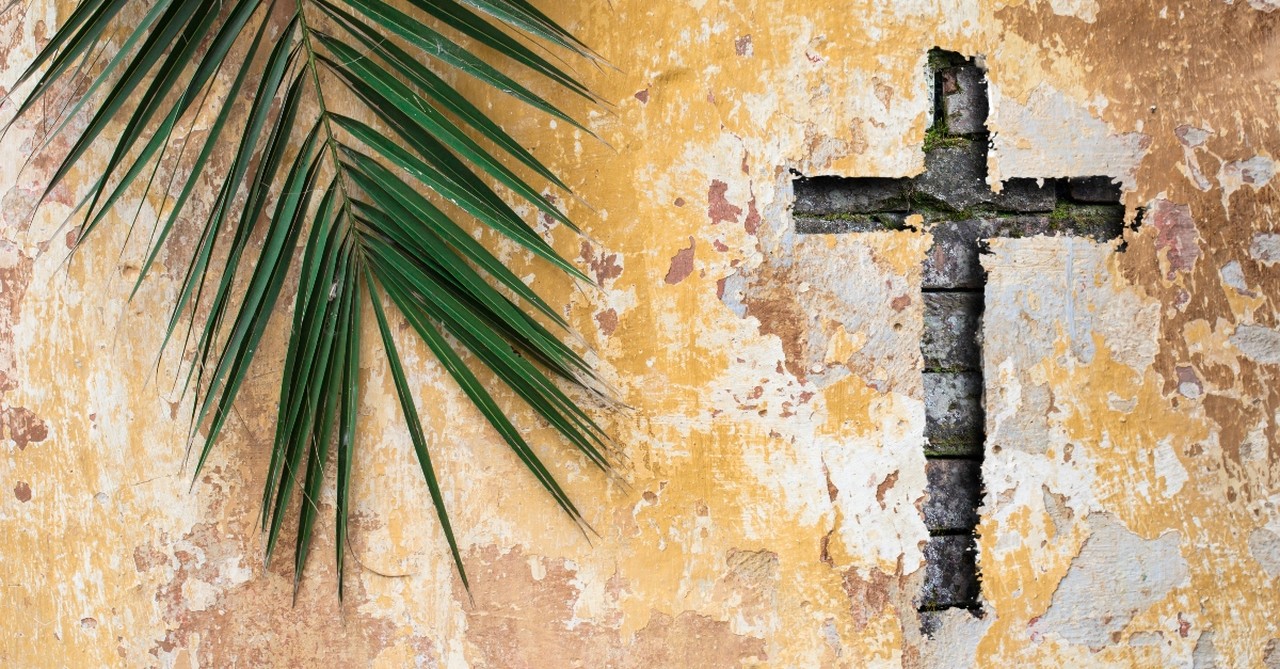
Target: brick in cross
(961,212)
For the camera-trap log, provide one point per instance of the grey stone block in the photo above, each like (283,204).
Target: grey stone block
(953,260)
(842,223)
(818,196)
(954,491)
(931,621)
(1025,196)
(1100,222)
(955,178)
(964,99)
(953,450)
(1093,189)
(950,575)
(951,322)
(953,408)
(1096,221)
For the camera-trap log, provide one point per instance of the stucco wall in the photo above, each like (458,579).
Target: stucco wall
(773,446)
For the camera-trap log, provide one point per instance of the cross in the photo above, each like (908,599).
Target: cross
(961,212)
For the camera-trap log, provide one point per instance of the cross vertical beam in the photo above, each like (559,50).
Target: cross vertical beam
(961,213)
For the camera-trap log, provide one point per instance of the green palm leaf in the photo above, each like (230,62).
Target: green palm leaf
(348,185)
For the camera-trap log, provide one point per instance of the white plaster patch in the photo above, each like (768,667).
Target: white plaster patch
(1129,324)
(1192,138)
(1233,276)
(879,487)
(1085,10)
(1205,655)
(1190,389)
(1265,248)
(954,639)
(537,570)
(1116,576)
(1255,172)
(1169,468)
(1054,136)
(1259,343)
(1067,281)
(1017,480)
(1121,404)
(1004,398)
(1264,544)
(1265,6)
(1146,639)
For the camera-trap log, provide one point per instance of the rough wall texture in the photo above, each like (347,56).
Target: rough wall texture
(775,464)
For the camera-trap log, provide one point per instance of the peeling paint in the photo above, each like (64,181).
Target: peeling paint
(682,264)
(1265,248)
(1258,343)
(1116,576)
(1176,236)
(1264,545)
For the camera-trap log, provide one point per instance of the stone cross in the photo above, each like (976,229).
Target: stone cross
(961,212)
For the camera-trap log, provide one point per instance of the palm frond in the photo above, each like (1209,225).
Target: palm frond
(366,191)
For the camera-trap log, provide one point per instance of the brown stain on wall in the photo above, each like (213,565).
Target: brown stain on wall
(682,263)
(774,304)
(1223,85)
(719,210)
(19,425)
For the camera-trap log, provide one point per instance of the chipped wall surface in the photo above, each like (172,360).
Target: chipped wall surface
(767,512)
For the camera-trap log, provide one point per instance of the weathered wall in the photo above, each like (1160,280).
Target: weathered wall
(774,446)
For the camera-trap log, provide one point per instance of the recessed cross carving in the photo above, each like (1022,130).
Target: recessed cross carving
(961,212)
